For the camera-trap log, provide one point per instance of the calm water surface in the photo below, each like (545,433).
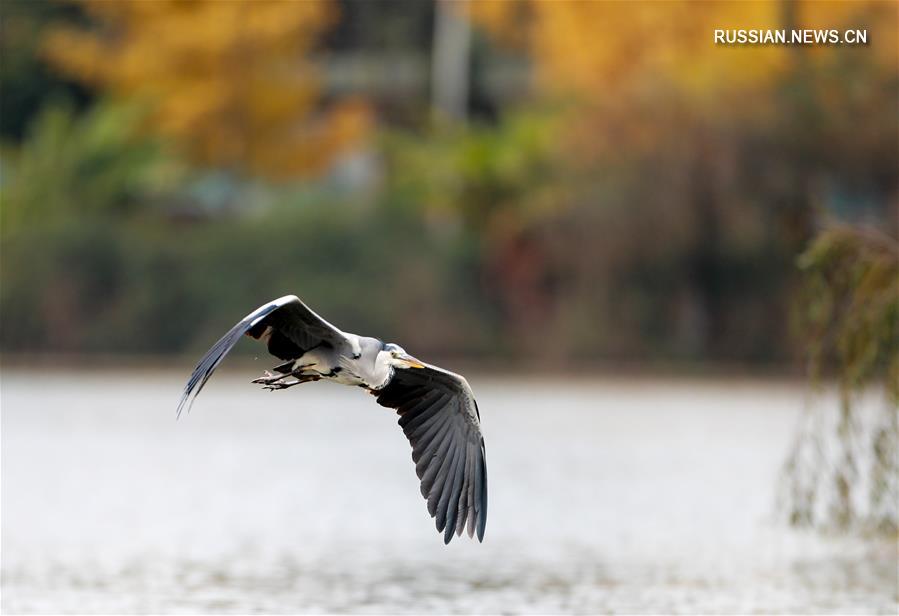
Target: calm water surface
(633,496)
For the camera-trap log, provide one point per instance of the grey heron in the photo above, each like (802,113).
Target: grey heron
(437,410)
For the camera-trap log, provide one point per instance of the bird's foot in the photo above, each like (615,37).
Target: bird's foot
(268,378)
(273,382)
(280,385)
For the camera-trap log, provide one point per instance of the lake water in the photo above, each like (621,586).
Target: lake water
(605,496)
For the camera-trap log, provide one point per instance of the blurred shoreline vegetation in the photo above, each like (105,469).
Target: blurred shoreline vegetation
(642,200)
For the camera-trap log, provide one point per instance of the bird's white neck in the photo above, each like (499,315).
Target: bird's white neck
(382,372)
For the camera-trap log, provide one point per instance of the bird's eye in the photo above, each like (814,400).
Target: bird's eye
(393,353)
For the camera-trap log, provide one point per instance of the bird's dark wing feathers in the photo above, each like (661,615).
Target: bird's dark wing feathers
(294,330)
(297,329)
(440,418)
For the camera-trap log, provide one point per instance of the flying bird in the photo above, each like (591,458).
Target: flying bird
(437,410)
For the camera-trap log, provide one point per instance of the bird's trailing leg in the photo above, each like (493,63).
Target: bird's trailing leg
(281,372)
(286,384)
(268,378)
(273,382)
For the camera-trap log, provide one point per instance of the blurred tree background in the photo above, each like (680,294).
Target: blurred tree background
(552,183)
(614,188)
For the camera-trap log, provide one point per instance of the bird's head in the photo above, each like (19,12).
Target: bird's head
(394,355)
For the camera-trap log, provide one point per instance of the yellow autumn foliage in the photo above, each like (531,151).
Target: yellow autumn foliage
(598,49)
(228,81)
(632,72)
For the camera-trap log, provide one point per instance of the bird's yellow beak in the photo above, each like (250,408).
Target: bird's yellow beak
(411,361)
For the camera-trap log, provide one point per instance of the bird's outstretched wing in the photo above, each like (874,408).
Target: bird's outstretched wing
(440,418)
(290,327)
